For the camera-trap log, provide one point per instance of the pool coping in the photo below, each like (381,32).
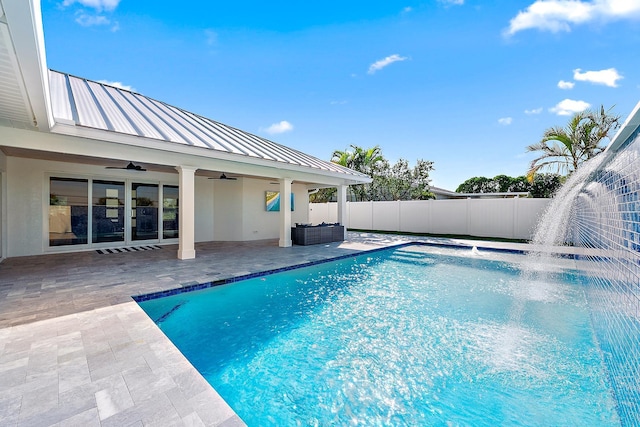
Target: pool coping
(214,283)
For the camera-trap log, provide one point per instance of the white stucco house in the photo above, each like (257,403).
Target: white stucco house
(86,166)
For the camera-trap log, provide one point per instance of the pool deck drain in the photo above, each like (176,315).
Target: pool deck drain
(76,350)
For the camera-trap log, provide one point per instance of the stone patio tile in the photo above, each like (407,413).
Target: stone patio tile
(101,360)
(162,416)
(14,361)
(192,420)
(129,350)
(10,410)
(114,398)
(88,418)
(11,380)
(17,345)
(73,375)
(143,383)
(180,402)
(38,402)
(143,411)
(211,408)
(42,360)
(191,383)
(234,421)
(76,356)
(70,404)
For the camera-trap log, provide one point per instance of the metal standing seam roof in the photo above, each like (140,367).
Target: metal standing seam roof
(101,106)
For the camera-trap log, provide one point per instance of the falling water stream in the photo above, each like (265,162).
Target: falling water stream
(552,234)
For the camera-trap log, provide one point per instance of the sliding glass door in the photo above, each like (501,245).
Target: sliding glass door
(144,211)
(170,215)
(98,212)
(108,211)
(68,211)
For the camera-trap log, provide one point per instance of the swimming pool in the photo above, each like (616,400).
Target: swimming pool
(397,337)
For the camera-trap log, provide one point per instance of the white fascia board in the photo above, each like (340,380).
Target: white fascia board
(24,20)
(630,125)
(66,139)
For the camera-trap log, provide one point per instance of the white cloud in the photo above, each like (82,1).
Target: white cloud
(282,127)
(455,2)
(533,111)
(212,37)
(407,9)
(567,107)
(608,77)
(87,20)
(566,85)
(380,64)
(561,15)
(96,18)
(505,121)
(98,5)
(117,84)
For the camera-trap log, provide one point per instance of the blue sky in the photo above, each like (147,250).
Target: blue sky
(466,84)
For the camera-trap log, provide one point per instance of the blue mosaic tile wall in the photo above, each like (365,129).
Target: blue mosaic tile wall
(606,220)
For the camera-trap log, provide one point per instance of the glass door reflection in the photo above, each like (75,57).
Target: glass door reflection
(107,211)
(170,213)
(144,211)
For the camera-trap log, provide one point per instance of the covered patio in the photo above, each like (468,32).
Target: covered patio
(87,165)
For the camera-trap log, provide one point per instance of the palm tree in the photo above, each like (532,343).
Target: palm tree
(604,124)
(565,149)
(343,158)
(364,160)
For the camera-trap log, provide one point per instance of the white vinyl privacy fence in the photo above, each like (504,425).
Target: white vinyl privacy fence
(506,218)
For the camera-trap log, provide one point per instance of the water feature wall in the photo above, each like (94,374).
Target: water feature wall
(605,222)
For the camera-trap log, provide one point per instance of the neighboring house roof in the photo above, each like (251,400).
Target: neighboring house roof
(441,193)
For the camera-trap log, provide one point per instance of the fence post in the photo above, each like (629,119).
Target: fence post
(467,201)
(514,217)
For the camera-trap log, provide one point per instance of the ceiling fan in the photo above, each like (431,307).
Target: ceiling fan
(223,176)
(129,167)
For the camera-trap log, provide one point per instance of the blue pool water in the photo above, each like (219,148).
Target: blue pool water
(399,337)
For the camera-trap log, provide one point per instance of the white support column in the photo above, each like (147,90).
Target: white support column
(187,212)
(342,206)
(285,213)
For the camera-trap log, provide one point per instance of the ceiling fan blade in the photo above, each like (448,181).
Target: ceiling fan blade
(130,167)
(133,167)
(225,177)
